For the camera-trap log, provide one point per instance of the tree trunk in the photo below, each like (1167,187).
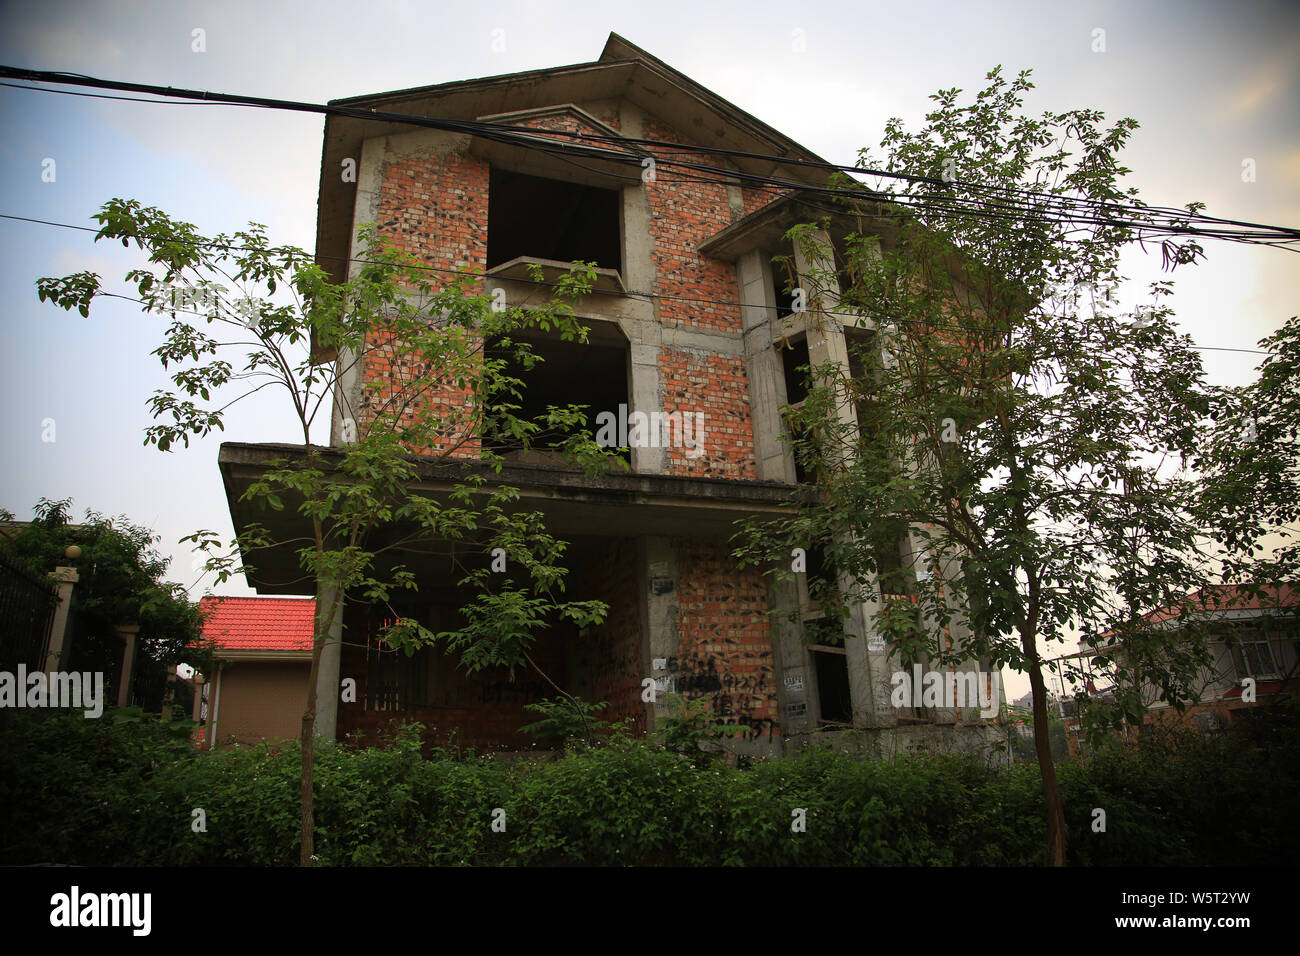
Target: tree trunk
(1046,767)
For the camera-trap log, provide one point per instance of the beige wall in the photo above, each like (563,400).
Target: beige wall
(261,700)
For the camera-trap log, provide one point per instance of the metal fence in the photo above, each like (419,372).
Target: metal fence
(27,606)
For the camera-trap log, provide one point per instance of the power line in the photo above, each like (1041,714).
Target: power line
(1064,209)
(594,291)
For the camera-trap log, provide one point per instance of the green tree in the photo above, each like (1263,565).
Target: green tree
(121,582)
(1011,453)
(1251,464)
(355,502)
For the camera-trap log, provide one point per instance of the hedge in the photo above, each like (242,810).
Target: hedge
(123,791)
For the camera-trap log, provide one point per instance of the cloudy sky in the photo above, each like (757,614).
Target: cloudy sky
(1214,85)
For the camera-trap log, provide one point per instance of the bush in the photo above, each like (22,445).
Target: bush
(123,790)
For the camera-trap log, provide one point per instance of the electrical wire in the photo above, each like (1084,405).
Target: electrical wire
(1066,209)
(594,291)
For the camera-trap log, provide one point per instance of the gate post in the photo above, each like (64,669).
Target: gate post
(127,632)
(66,579)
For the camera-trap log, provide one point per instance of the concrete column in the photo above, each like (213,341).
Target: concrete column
(365,208)
(346,422)
(214,708)
(815,266)
(797,682)
(65,580)
(127,632)
(169,696)
(197,684)
(327,676)
(773,461)
(643,375)
(658,608)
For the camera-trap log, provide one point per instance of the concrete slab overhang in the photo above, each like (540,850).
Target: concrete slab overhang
(766,227)
(573,504)
(623,72)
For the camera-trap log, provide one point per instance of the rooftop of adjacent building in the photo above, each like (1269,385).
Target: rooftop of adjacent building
(259,623)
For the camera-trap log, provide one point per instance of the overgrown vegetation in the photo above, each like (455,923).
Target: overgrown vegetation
(125,793)
(122,581)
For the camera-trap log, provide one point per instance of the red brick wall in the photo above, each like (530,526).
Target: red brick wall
(440,206)
(572,124)
(724,645)
(756,197)
(388,373)
(614,647)
(717,386)
(682,215)
(441,203)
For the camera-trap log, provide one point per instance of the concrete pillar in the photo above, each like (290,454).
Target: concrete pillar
(797,682)
(327,676)
(214,709)
(815,264)
(658,609)
(346,422)
(773,460)
(643,396)
(197,684)
(127,633)
(65,579)
(169,696)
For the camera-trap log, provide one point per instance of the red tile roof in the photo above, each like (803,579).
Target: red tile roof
(1228,597)
(259,624)
(1217,599)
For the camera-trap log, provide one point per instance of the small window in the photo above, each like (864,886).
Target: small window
(550,219)
(1253,656)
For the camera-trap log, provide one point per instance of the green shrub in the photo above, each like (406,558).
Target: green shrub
(123,790)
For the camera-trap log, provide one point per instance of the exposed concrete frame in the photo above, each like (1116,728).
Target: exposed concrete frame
(616,505)
(623,72)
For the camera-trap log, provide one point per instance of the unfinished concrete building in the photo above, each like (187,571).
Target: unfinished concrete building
(689,317)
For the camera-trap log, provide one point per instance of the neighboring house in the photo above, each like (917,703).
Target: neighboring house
(688,319)
(262,661)
(1253,643)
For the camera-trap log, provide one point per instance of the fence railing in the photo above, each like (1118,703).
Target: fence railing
(27,606)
